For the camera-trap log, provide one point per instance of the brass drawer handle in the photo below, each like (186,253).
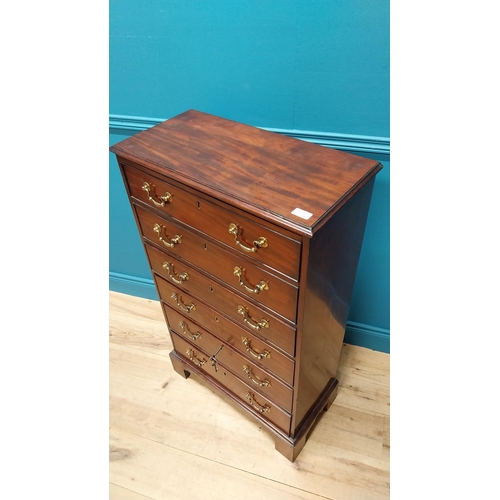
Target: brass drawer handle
(173,241)
(263,323)
(194,359)
(238,271)
(174,277)
(188,309)
(258,243)
(260,383)
(166,198)
(255,354)
(257,406)
(185,331)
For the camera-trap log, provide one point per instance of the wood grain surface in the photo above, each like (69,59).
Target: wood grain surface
(268,174)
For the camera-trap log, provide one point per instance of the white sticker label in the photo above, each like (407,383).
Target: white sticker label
(302,213)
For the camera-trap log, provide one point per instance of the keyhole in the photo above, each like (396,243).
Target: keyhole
(199,206)
(205,246)
(212,289)
(217,319)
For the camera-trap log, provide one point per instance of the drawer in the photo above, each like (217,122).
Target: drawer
(277,295)
(248,316)
(263,382)
(279,249)
(254,349)
(252,399)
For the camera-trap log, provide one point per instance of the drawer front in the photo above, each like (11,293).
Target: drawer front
(275,248)
(251,398)
(277,294)
(254,349)
(247,315)
(262,382)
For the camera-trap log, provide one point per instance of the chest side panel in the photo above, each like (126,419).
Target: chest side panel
(326,293)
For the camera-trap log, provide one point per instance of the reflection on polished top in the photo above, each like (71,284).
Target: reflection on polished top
(281,179)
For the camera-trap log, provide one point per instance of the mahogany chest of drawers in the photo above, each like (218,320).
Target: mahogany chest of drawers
(253,239)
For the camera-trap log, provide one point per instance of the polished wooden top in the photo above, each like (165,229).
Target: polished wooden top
(267,174)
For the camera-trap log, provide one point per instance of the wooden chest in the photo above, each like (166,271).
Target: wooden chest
(253,240)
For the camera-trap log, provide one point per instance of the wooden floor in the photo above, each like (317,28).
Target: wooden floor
(172,438)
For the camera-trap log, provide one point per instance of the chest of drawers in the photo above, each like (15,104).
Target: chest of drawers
(253,240)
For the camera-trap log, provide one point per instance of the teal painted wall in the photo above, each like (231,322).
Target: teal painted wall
(317,70)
